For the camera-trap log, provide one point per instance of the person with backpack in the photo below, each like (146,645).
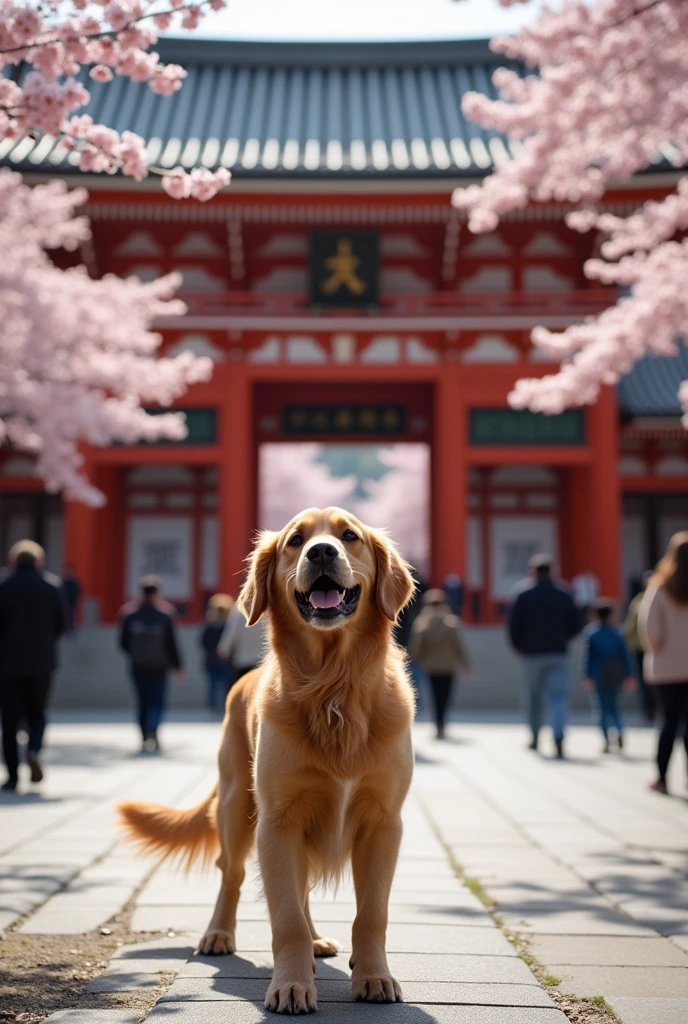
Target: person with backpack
(608,669)
(217,668)
(147,636)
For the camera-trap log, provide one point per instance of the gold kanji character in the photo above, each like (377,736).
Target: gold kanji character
(343,266)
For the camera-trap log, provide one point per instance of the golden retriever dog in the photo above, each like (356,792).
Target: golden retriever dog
(315,759)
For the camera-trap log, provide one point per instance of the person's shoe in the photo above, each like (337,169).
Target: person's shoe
(606,749)
(34,767)
(9,785)
(620,741)
(533,745)
(659,786)
(559,746)
(149,745)
(440,733)
(156,741)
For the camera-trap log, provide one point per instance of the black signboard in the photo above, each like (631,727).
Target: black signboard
(522,427)
(201,426)
(344,419)
(344,268)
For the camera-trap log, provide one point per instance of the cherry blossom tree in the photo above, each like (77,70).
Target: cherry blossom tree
(61,42)
(399,501)
(77,358)
(607,99)
(291,478)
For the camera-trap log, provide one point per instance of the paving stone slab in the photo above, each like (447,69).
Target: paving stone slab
(609,951)
(574,923)
(155,965)
(168,948)
(420,967)
(123,982)
(93,1017)
(68,921)
(339,991)
(633,1010)
(399,1013)
(624,981)
(681,941)
(401,938)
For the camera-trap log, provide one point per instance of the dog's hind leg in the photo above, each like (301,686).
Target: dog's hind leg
(235,828)
(321,946)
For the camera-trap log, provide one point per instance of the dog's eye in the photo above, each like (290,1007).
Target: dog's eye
(296,541)
(349,535)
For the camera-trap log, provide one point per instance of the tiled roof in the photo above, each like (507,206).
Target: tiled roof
(651,388)
(305,110)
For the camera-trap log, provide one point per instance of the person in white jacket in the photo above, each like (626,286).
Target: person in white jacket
(243,645)
(663,631)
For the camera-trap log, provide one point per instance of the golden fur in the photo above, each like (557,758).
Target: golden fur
(315,759)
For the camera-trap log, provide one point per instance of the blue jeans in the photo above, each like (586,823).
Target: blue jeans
(218,684)
(608,703)
(547,676)
(150,686)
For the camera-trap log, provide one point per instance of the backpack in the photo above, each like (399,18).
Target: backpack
(147,647)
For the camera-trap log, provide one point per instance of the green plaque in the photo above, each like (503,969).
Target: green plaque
(522,427)
(201,425)
(344,419)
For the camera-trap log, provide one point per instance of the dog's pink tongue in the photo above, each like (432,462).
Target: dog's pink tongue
(326,599)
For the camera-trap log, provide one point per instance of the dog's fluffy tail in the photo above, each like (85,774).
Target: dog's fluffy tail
(186,836)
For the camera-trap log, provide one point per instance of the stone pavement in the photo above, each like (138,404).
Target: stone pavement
(578,856)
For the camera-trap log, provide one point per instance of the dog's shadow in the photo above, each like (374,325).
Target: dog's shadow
(222,982)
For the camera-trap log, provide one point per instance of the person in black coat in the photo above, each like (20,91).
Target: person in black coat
(33,616)
(147,635)
(542,622)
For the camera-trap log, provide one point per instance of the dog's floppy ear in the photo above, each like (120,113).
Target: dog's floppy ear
(254,596)
(395,585)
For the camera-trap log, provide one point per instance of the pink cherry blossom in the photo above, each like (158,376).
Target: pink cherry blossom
(113,38)
(609,99)
(78,360)
(177,183)
(101,73)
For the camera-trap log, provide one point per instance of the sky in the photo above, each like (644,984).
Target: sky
(364,19)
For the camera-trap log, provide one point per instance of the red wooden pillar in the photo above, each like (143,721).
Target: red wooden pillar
(577,522)
(80,540)
(605,492)
(449,484)
(236,476)
(109,554)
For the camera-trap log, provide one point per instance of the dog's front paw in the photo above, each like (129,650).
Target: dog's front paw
(325,947)
(291,997)
(378,988)
(217,943)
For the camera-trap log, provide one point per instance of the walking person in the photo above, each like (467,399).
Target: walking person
(608,668)
(648,694)
(542,622)
(217,668)
(663,629)
(438,645)
(33,616)
(240,644)
(147,635)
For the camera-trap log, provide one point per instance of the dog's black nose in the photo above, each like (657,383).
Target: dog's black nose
(322,554)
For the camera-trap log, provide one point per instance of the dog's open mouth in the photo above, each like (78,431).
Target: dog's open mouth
(327,599)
